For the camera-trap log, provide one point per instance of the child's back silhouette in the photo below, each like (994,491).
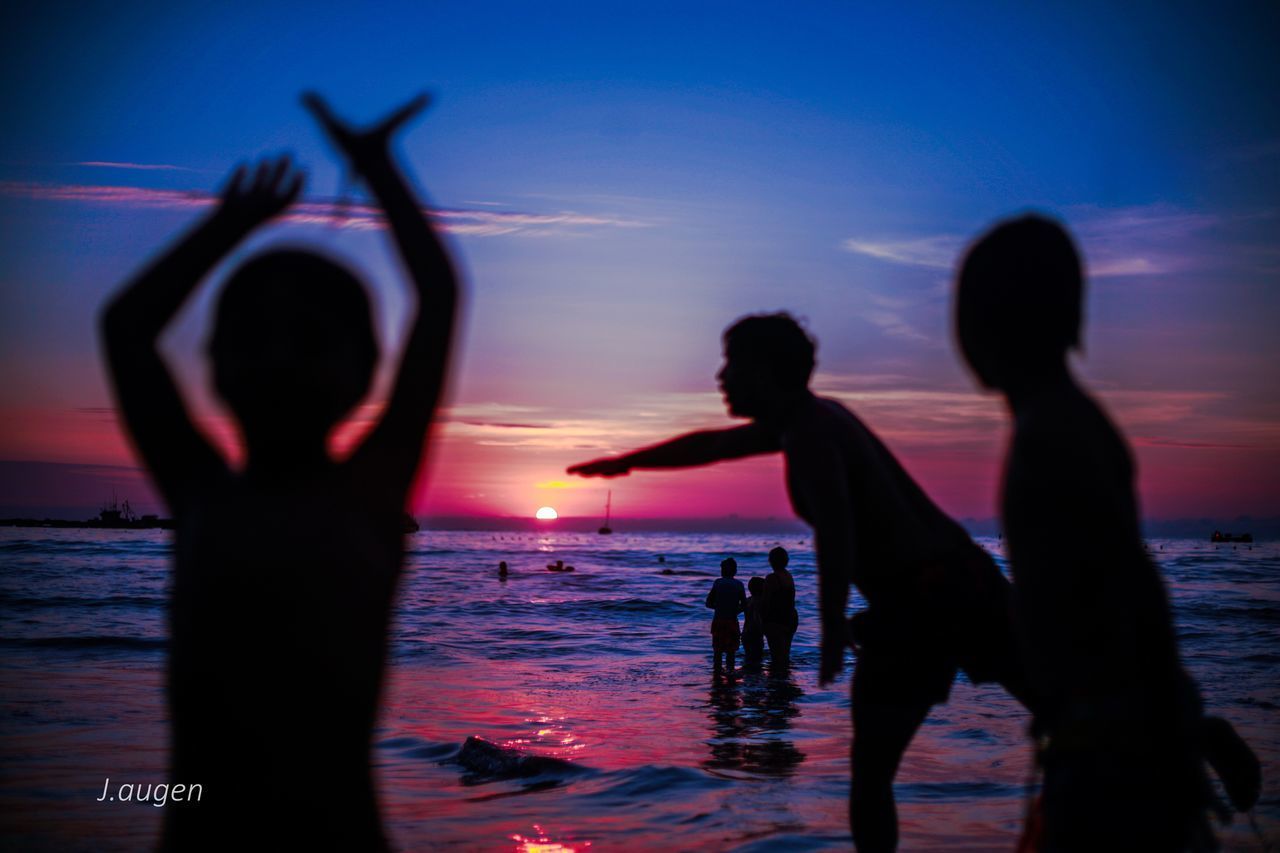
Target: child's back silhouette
(285,570)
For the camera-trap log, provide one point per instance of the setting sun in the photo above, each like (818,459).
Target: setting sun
(547,513)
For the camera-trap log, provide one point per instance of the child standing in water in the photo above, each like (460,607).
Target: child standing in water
(778,615)
(284,570)
(753,624)
(727,598)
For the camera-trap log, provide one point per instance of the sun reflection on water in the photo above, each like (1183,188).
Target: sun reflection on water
(552,736)
(543,843)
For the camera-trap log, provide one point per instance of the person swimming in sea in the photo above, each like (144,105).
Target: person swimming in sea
(285,569)
(727,597)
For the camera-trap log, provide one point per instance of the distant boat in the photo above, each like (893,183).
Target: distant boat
(116,515)
(605,530)
(113,516)
(1219,536)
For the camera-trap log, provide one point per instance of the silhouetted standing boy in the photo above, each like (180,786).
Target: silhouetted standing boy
(284,572)
(1119,717)
(727,598)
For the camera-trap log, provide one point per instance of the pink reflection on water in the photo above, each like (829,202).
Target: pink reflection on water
(543,843)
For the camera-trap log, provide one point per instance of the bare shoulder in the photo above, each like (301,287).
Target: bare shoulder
(820,418)
(1071,435)
(813,431)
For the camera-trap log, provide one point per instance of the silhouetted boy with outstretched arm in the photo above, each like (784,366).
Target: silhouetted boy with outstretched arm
(936,600)
(284,571)
(1122,737)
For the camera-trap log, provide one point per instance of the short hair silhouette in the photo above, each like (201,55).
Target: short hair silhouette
(293,335)
(1019,301)
(755,586)
(777,341)
(728,567)
(778,557)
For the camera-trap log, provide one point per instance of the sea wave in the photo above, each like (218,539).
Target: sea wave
(90,642)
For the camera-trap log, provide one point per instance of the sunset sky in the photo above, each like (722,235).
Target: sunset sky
(622,181)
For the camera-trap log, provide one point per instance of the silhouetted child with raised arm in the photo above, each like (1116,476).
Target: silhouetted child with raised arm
(727,598)
(753,624)
(1120,721)
(285,570)
(936,601)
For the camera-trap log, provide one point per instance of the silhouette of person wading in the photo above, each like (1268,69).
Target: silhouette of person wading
(779,611)
(1120,720)
(284,572)
(727,598)
(936,600)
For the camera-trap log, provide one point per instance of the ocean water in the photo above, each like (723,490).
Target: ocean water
(601,676)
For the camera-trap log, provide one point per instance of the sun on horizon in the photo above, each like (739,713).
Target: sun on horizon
(546,513)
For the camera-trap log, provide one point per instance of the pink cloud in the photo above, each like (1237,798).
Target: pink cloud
(326,212)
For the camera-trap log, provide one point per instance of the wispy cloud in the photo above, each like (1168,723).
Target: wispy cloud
(936,252)
(1132,241)
(326,212)
(140,167)
(1144,441)
(889,315)
(505,425)
(558,484)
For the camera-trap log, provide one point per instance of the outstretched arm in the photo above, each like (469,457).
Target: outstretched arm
(393,451)
(687,451)
(153,411)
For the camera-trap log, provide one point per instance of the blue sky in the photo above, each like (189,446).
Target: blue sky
(633,177)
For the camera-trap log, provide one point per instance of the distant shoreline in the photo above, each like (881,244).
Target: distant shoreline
(94,524)
(1262,530)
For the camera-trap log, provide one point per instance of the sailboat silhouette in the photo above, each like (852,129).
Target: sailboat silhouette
(608,513)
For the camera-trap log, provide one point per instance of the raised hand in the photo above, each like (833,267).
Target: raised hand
(253,196)
(610,466)
(369,146)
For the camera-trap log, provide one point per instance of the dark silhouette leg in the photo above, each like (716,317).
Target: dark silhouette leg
(881,732)
(784,647)
(776,656)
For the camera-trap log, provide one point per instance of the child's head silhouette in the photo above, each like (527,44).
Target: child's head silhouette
(728,567)
(1018,301)
(293,346)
